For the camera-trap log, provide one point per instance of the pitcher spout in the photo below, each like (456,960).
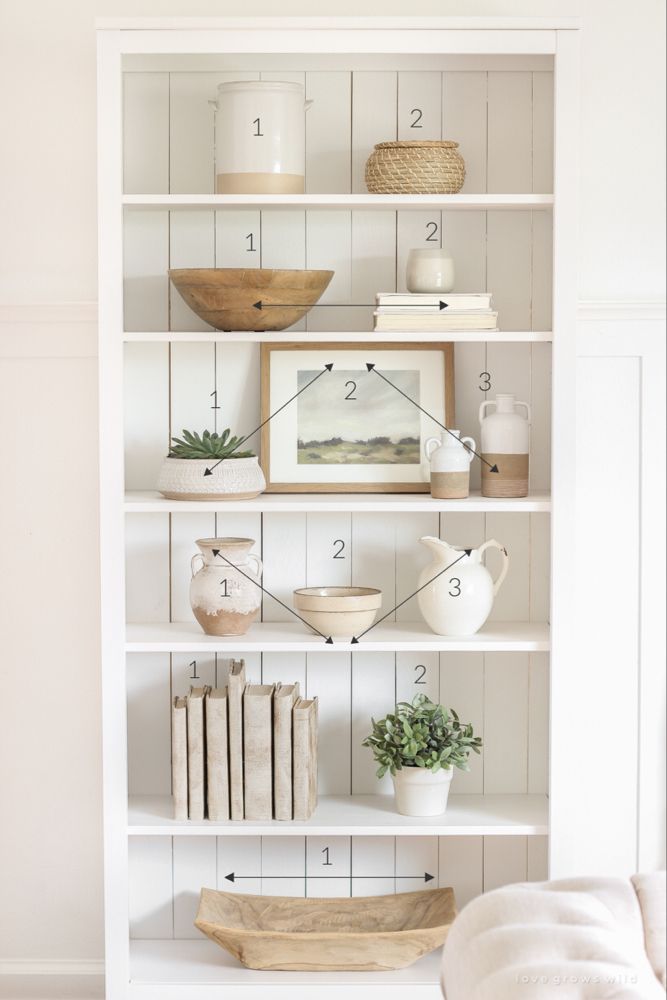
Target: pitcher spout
(435,544)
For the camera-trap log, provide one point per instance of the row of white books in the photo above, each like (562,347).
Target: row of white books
(420,312)
(244,751)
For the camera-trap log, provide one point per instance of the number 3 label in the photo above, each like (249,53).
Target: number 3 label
(455,587)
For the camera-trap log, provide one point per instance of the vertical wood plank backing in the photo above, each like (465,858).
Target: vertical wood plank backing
(374,104)
(506,723)
(238,391)
(461,865)
(510,127)
(286,668)
(146,375)
(464,120)
(146,133)
(329,247)
(417,673)
(243,855)
(329,132)
(462,688)
(283,856)
(151,895)
(373,687)
(335,849)
(191,244)
(148,724)
(195,865)
(192,133)
(193,381)
(505,861)
(192,669)
(538,859)
(419,92)
(374,261)
(470,362)
(328,887)
(373,556)
(543,132)
(330,680)
(542,268)
(416,856)
(512,603)
(372,858)
(147,564)
(145,265)
(538,723)
(540,401)
(418,230)
(540,567)
(328,550)
(464,238)
(411,558)
(284,557)
(185,530)
(508,268)
(231,238)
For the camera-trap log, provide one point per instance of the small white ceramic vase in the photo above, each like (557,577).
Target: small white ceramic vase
(231,479)
(505,443)
(429,270)
(458,602)
(450,460)
(224,595)
(421,792)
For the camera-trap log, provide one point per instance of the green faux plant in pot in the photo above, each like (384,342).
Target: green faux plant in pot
(420,744)
(210,466)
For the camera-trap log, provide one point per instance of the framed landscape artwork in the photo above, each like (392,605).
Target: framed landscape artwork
(351,429)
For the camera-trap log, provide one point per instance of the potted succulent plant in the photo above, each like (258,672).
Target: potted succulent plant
(420,744)
(210,467)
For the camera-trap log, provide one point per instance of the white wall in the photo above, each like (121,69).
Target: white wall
(51,785)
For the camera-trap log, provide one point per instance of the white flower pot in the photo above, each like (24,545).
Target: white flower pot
(421,792)
(231,479)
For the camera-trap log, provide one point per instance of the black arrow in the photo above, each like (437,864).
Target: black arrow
(338,305)
(209,470)
(372,368)
(355,639)
(327,639)
(232,877)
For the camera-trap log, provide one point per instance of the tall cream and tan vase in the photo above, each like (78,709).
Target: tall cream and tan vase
(505,443)
(450,456)
(260,137)
(224,595)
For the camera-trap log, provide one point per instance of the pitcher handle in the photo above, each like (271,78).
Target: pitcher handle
(197,555)
(492,543)
(482,408)
(527,408)
(429,451)
(258,564)
(470,446)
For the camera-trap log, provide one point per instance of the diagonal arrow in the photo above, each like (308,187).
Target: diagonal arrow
(209,469)
(372,368)
(340,305)
(355,639)
(232,877)
(327,638)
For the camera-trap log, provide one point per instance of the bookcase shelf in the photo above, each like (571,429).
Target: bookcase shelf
(337,337)
(381,202)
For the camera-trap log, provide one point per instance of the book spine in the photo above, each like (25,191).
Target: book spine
(257,745)
(235,688)
(305,758)
(217,776)
(196,790)
(282,752)
(179,758)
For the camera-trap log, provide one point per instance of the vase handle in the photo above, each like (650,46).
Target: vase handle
(483,406)
(469,444)
(429,451)
(258,564)
(527,408)
(197,555)
(492,543)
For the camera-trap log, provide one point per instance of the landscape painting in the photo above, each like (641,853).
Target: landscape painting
(356,418)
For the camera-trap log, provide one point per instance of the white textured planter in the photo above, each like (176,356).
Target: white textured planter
(420,792)
(231,479)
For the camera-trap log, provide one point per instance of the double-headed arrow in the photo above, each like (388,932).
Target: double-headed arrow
(338,305)
(427,877)
(372,368)
(327,638)
(209,469)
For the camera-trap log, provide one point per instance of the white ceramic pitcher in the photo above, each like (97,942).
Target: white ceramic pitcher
(450,456)
(459,601)
(260,137)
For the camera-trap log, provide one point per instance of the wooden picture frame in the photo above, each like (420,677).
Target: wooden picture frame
(278,432)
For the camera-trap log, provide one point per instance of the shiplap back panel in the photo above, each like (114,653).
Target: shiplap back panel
(503,121)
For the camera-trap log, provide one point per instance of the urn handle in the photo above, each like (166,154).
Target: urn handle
(492,543)
(470,446)
(258,564)
(428,451)
(527,409)
(483,406)
(197,555)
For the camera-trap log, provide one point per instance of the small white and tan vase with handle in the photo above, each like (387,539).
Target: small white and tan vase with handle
(450,456)
(224,592)
(458,601)
(505,443)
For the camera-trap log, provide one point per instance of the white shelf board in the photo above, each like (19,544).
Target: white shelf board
(359,816)
(159,970)
(338,337)
(275,637)
(344,201)
(151,502)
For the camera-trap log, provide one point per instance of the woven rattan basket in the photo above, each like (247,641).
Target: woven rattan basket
(417,167)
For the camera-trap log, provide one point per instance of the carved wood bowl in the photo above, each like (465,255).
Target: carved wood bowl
(228,298)
(371,933)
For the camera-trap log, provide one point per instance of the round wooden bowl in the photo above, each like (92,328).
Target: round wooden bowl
(233,298)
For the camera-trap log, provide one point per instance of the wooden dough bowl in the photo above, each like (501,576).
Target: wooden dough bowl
(226,297)
(371,933)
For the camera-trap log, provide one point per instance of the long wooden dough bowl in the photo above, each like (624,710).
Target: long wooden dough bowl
(365,933)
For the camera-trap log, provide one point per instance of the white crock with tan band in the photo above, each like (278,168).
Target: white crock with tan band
(458,601)
(450,456)
(505,443)
(224,592)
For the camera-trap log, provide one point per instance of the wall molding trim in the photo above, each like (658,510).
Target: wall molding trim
(52,967)
(605,310)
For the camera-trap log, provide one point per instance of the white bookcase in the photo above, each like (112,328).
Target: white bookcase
(508,91)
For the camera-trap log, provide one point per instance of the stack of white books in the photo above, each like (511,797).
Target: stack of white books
(407,311)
